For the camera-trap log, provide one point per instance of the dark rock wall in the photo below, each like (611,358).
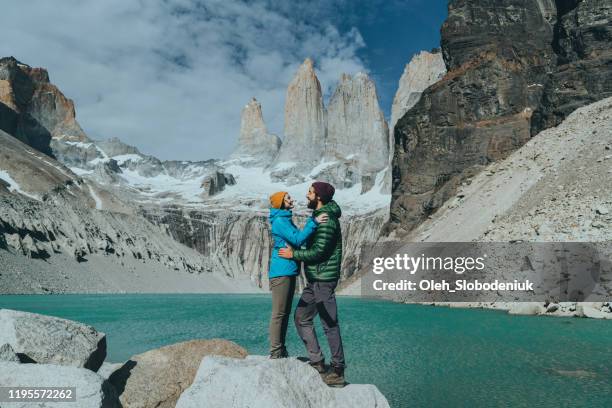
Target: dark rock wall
(583,45)
(515,67)
(514,29)
(32,109)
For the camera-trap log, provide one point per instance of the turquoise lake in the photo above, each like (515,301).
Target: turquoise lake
(418,356)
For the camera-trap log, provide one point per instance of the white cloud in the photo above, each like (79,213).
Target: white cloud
(171,77)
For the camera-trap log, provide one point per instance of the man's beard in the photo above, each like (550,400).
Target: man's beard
(312,204)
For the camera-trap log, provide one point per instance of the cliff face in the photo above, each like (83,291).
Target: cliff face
(501,87)
(583,75)
(305,121)
(356,125)
(255,145)
(32,109)
(423,70)
(240,242)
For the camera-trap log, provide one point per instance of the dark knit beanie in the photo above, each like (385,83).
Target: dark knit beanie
(324,190)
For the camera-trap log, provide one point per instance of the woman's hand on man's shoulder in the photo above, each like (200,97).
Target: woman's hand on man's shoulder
(322,218)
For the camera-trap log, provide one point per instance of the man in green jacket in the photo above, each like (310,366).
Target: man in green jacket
(322,258)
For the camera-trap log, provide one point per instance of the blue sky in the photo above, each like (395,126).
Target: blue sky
(171,76)
(393,31)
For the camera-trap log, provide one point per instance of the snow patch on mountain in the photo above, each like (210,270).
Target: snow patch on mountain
(122,158)
(13,186)
(284,166)
(238,183)
(81,145)
(189,189)
(320,167)
(95,196)
(254,186)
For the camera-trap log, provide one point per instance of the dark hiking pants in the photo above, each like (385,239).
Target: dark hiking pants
(282,289)
(320,298)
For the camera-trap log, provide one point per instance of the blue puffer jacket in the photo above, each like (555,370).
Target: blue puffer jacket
(285,232)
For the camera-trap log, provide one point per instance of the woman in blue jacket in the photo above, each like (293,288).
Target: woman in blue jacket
(283,272)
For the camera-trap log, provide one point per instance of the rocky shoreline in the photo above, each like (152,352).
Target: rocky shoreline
(101,274)
(37,349)
(593,310)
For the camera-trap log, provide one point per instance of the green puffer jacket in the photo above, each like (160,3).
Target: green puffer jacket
(323,253)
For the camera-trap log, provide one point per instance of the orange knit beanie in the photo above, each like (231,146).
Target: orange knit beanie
(276,199)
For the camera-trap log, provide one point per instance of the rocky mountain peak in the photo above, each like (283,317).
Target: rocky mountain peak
(34,110)
(423,70)
(304,119)
(344,144)
(115,147)
(356,126)
(16,87)
(307,66)
(39,74)
(252,118)
(14,66)
(255,144)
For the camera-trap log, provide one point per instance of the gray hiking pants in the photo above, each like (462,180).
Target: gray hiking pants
(320,298)
(282,289)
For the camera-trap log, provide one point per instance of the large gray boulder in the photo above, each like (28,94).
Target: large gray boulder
(260,382)
(91,389)
(51,340)
(526,308)
(592,310)
(156,378)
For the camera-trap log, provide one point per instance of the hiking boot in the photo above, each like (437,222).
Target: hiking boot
(282,353)
(319,366)
(335,378)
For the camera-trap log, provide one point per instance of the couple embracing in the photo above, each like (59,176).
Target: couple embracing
(319,246)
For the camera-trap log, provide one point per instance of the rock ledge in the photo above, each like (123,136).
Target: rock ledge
(260,382)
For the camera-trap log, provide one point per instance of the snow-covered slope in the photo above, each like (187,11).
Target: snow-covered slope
(254,186)
(140,178)
(147,180)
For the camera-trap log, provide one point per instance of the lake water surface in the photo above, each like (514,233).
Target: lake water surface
(418,356)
